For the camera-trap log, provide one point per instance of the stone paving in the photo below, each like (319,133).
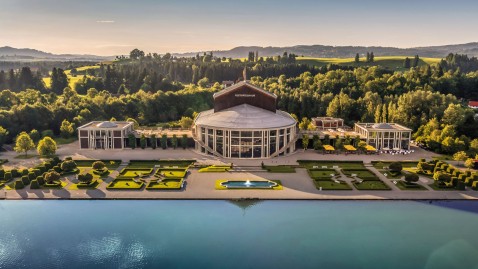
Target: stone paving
(202,185)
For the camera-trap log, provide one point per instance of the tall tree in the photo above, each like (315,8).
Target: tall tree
(46,147)
(24,143)
(357,58)
(66,129)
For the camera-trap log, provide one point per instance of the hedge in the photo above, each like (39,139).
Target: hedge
(35,185)
(25,180)
(18,184)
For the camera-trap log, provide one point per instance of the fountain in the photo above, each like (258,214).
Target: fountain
(249,184)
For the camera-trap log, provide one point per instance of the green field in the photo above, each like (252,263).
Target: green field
(72,80)
(389,62)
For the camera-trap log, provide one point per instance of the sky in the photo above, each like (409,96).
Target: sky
(115,27)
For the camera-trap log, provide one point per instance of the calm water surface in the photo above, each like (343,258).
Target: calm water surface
(223,234)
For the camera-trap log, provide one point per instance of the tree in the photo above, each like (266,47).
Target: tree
(184,141)
(142,141)
(411,178)
(85,178)
(357,58)
(203,83)
(470,163)
(98,165)
(35,135)
(362,145)
(416,60)
(3,135)
(66,129)
(154,143)
(164,141)
(24,143)
(395,167)
(52,176)
(174,141)
(46,147)
(372,57)
(305,141)
(135,123)
(132,141)
(68,165)
(317,143)
(406,63)
(186,122)
(304,124)
(460,156)
(136,54)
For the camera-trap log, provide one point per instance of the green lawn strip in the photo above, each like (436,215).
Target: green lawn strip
(372,185)
(363,174)
(171,172)
(111,164)
(124,184)
(215,169)
(93,185)
(56,185)
(410,187)
(279,168)
(135,172)
(330,164)
(218,186)
(331,185)
(317,173)
(436,188)
(162,163)
(165,184)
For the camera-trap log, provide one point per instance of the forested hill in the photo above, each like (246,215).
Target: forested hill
(471,49)
(9,53)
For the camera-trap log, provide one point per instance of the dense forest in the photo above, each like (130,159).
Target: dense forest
(155,88)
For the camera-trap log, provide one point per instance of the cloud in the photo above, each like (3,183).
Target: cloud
(105,21)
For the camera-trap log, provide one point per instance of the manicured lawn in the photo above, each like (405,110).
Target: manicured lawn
(215,169)
(171,172)
(218,186)
(62,141)
(321,173)
(112,164)
(406,187)
(373,185)
(364,174)
(165,184)
(331,185)
(124,184)
(93,185)
(330,164)
(279,168)
(135,172)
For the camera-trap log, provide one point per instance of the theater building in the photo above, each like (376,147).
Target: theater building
(385,136)
(324,123)
(104,134)
(245,123)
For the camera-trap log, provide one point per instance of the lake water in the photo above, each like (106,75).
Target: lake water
(223,234)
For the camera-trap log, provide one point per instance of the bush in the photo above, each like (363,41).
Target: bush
(68,165)
(15,173)
(8,176)
(57,169)
(51,177)
(35,185)
(40,180)
(2,173)
(440,176)
(98,165)
(85,178)
(56,160)
(461,186)
(18,184)
(425,166)
(462,177)
(25,180)
(409,178)
(37,172)
(31,176)
(25,172)
(395,167)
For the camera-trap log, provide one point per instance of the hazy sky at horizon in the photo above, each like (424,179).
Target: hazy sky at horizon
(113,27)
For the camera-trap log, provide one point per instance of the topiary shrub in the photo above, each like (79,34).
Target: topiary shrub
(35,185)
(2,173)
(456,173)
(15,173)
(55,160)
(68,159)
(395,167)
(98,165)
(40,180)
(18,184)
(25,172)
(42,168)
(25,180)
(57,169)
(440,176)
(68,165)
(8,176)
(51,177)
(85,178)
(454,181)
(37,172)
(31,176)
(411,178)
(460,185)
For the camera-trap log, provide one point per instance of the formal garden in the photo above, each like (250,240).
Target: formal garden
(447,176)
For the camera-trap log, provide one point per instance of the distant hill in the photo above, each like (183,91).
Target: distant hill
(14,54)
(321,51)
